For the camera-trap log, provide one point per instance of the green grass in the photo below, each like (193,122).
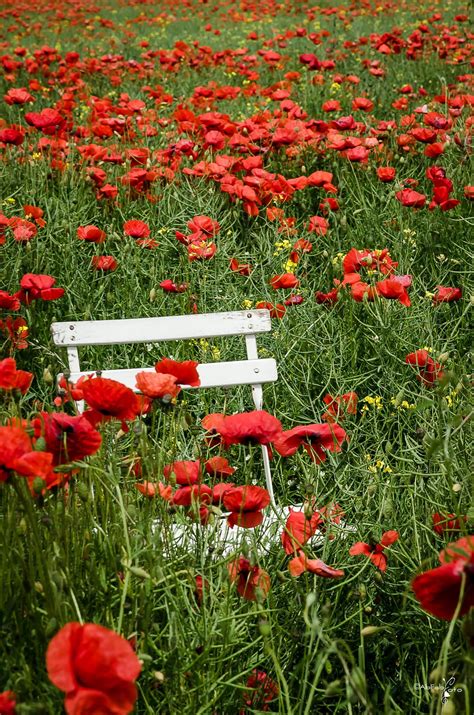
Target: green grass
(96,553)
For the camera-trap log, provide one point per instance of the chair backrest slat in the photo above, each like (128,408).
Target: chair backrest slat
(215,374)
(150,330)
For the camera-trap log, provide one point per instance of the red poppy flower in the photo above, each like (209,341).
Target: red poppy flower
(171,287)
(331,298)
(253,583)
(23,230)
(18,95)
(201,251)
(439,590)
(151,489)
(243,268)
(261,691)
(276,311)
(285,280)
(299,528)
(339,406)
(203,225)
(7,703)
(218,491)
(318,225)
(17,455)
(301,563)
(447,523)
(38,287)
(410,198)
(194,494)
(375,552)
(35,213)
(245,504)
(104,263)
(218,467)
(315,439)
(91,233)
(12,135)
(13,379)
(202,585)
(9,302)
(68,438)
(95,667)
(136,229)
(184,473)
(184,372)
(16,330)
(394,288)
(213,424)
(386,173)
(109,398)
(380,260)
(48,119)
(361,291)
(429,370)
(256,427)
(446,295)
(157,386)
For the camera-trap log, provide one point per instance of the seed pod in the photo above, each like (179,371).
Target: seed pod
(47,376)
(333,689)
(141,573)
(82,491)
(436,675)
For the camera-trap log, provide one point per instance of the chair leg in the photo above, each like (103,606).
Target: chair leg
(268,473)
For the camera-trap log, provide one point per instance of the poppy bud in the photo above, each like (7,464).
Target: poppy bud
(448,708)
(264,628)
(22,526)
(399,397)
(47,377)
(436,675)
(51,627)
(82,491)
(152,295)
(333,689)
(141,573)
(39,587)
(40,444)
(370,631)
(38,485)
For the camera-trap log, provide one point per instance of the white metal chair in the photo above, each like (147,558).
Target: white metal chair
(254,371)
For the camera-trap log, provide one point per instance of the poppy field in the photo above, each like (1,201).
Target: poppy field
(204,156)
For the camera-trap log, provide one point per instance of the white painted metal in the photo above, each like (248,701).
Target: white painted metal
(257,394)
(222,541)
(150,330)
(252,371)
(214,374)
